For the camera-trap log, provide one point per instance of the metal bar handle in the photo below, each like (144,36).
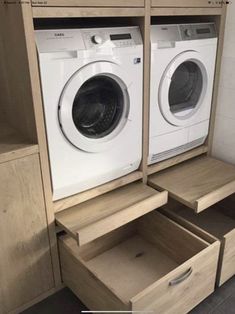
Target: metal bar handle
(182,278)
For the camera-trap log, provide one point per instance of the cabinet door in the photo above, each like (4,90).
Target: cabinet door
(25,262)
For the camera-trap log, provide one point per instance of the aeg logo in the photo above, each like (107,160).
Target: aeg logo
(59,34)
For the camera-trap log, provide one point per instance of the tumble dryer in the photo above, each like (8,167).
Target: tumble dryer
(92,92)
(182,74)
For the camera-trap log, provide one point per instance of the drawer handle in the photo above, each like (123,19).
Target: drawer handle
(182,278)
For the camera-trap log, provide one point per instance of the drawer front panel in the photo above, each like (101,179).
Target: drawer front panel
(88,3)
(187,3)
(184,288)
(227,258)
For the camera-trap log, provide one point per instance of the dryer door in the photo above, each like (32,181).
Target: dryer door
(94,106)
(183,88)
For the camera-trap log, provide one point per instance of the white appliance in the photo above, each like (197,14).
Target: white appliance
(92,92)
(182,74)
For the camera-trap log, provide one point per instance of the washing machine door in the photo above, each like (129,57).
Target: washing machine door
(94,106)
(183,88)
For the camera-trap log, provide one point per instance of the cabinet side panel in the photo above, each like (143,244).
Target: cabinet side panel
(25,263)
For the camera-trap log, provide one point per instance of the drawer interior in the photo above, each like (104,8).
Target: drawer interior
(132,258)
(198,183)
(217,220)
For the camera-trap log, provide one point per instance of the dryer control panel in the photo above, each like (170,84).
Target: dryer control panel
(182,32)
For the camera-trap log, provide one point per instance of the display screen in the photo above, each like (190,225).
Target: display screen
(120,36)
(203,31)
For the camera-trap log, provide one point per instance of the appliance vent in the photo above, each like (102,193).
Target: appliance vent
(176,151)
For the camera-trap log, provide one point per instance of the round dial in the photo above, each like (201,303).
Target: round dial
(96,39)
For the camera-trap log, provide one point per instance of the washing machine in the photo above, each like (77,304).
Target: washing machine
(182,74)
(91,83)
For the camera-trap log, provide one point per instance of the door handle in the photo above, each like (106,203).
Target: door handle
(181,278)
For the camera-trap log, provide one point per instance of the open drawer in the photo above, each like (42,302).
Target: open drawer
(187,3)
(88,3)
(151,264)
(217,221)
(98,216)
(197,183)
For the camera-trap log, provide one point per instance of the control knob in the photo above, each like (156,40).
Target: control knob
(96,39)
(188,32)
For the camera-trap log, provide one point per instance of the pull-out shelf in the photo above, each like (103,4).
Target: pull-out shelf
(151,264)
(217,221)
(94,218)
(197,183)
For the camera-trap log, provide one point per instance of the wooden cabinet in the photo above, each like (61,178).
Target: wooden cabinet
(151,264)
(25,263)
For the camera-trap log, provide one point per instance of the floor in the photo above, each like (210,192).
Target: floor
(65,302)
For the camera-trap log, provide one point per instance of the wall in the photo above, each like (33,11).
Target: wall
(224,137)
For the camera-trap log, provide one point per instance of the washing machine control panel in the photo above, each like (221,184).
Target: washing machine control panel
(112,37)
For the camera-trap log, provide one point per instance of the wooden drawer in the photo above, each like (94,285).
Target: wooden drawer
(218,222)
(187,3)
(96,217)
(197,183)
(150,264)
(88,3)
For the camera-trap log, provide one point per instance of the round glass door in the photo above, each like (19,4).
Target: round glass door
(93,109)
(98,107)
(182,89)
(185,88)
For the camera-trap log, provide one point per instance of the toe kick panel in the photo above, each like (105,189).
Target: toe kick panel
(94,218)
(197,183)
(151,264)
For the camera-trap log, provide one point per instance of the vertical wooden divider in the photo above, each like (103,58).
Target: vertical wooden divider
(146,87)
(41,132)
(221,20)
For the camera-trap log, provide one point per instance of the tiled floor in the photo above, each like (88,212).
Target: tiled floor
(65,302)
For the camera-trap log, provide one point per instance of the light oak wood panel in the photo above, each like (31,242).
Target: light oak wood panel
(187,3)
(227,266)
(17,98)
(96,217)
(13,145)
(216,223)
(4,91)
(197,183)
(146,276)
(26,12)
(88,3)
(43,12)
(185,11)
(220,24)
(177,159)
(145,28)
(25,263)
(104,188)
(164,298)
